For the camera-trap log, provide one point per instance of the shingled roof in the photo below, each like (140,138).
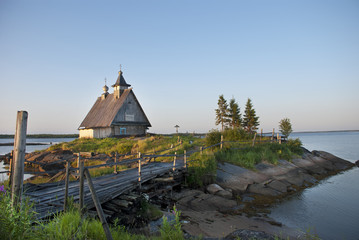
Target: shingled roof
(121,81)
(104,111)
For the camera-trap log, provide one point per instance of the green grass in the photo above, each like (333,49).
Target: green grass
(249,156)
(201,169)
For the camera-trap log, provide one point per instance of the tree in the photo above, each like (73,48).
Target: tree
(234,114)
(222,112)
(250,119)
(285,127)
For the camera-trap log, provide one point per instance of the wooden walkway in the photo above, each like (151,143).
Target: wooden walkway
(49,197)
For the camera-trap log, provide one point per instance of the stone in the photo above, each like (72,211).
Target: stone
(261,189)
(225,194)
(357,163)
(246,234)
(280,186)
(213,188)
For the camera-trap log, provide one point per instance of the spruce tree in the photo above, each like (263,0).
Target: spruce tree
(234,114)
(250,119)
(222,112)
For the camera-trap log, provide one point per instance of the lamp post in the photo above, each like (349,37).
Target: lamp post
(177,128)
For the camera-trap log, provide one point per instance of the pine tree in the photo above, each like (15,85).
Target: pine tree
(250,119)
(234,114)
(222,112)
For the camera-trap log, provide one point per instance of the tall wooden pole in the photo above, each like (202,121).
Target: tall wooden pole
(19,157)
(97,203)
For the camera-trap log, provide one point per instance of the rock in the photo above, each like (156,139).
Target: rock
(339,163)
(245,234)
(357,163)
(262,190)
(309,166)
(280,186)
(213,188)
(224,193)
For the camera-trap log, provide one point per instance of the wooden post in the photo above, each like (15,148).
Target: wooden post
(139,169)
(185,159)
(97,203)
(11,168)
(78,162)
(279,139)
(115,166)
(19,157)
(272,135)
(81,185)
(201,149)
(174,162)
(67,178)
(254,139)
(221,141)
(260,139)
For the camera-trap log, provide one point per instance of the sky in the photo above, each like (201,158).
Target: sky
(294,59)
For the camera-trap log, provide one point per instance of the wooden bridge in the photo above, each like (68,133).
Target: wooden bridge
(49,198)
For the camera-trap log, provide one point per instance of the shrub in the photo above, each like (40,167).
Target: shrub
(15,222)
(202,169)
(213,137)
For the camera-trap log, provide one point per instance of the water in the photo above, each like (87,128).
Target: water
(31,148)
(331,208)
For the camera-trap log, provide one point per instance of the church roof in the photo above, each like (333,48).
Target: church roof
(104,111)
(121,81)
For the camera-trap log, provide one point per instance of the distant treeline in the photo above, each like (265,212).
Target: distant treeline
(42,136)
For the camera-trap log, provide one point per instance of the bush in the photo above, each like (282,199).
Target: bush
(213,137)
(202,169)
(15,222)
(295,145)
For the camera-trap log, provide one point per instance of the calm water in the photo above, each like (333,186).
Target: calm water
(331,208)
(7,149)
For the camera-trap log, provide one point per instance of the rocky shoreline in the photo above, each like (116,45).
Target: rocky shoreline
(237,204)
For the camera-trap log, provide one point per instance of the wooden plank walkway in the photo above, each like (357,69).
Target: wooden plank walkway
(48,198)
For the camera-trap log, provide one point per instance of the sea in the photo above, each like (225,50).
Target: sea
(330,209)
(29,148)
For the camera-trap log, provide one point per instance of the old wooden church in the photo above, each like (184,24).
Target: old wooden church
(114,115)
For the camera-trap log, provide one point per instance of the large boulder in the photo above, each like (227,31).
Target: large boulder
(213,188)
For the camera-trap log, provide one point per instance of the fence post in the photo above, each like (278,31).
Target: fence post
(78,162)
(272,135)
(279,139)
(185,159)
(221,141)
(174,162)
(254,139)
(115,166)
(201,149)
(139,169)
(98,205)
(67,178)
(11,168)
(19,157)
(81,185)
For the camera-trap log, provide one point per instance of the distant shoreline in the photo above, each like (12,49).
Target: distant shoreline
(5,136)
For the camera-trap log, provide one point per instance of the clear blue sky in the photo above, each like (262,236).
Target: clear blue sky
(295,59)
